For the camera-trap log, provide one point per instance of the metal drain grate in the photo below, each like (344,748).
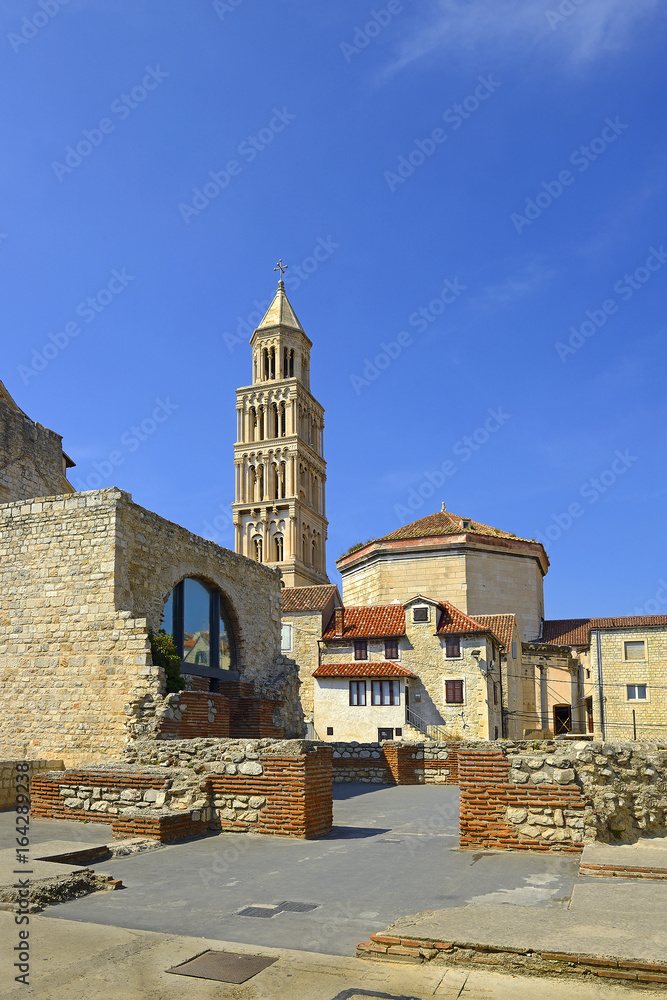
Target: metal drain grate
(225,967)
(259,911)
(291,907)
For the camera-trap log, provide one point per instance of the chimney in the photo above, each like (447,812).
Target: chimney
(444,507)
(339,621)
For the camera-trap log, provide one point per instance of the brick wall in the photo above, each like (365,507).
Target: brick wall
(396,763)
(9,777)
(495,812)
(198,714)
(284,794)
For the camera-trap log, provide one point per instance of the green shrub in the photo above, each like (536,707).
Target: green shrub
(165,655)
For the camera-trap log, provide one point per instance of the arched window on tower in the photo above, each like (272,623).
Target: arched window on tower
(279,548)
(259,549)
(314,554)
(275,427)
(275,482)
(259,488)
(253,423)
(304,549)
(282,430)
(282,480)
(252,483)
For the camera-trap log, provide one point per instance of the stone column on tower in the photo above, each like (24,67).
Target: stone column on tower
(281,385)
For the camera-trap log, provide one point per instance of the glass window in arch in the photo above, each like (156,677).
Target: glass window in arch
(196,617)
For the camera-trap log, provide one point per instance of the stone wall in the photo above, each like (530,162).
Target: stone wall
(31,457)
(183,788)
(396,763)
(83,578)
(9,777)
(557,796)
(650,716)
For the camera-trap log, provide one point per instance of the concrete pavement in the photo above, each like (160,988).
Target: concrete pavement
(72,960)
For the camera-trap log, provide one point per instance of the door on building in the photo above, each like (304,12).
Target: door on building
(562,719)
(589,714)
(385,734)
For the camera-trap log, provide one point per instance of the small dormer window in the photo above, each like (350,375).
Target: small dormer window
(466,524)
(420,614)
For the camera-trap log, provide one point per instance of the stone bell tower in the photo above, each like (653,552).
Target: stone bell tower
(279,509)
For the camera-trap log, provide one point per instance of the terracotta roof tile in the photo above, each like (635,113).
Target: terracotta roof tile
(377,622)
(308,598)
(445,523)
(502,627)
(455,622)
(363,668)
(576,631)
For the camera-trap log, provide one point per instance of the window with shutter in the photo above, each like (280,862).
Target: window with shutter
(454,692)
(452,646)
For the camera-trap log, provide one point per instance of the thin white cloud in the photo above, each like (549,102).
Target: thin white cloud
(522,281)
(506,28)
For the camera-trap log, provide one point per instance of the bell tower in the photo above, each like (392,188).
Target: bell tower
(279,508)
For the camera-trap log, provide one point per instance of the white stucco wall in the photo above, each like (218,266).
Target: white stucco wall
(354,722)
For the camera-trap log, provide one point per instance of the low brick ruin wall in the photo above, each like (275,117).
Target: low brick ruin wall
(557,796)
(396,763)
(9,776)
(175,789)
(203,713)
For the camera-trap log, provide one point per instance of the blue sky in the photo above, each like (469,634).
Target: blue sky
(483,182)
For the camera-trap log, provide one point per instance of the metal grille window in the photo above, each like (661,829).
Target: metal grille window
(386,693)
(452,646)
(357,692)
(454,692)
(420,615)
(391,649)
(360,649)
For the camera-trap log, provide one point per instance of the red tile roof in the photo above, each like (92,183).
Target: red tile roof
(576,631)
(308,598)
(502,627)
(363,668)
(445,523)
(455,622)
(379,622)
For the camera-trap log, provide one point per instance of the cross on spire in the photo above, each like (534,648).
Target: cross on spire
(282,268)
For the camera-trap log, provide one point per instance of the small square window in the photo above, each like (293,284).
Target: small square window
(398,732)
(360,649)
(420,614)
(452,647)
(329,730)
(513,650)
(391,649)
(637,692)
(454,692)
(634,650)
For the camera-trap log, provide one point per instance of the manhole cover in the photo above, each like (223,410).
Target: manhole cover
(259,911)
(225,967)
(297,907)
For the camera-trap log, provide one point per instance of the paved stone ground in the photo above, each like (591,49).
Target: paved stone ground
(393,851)
(75,961)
